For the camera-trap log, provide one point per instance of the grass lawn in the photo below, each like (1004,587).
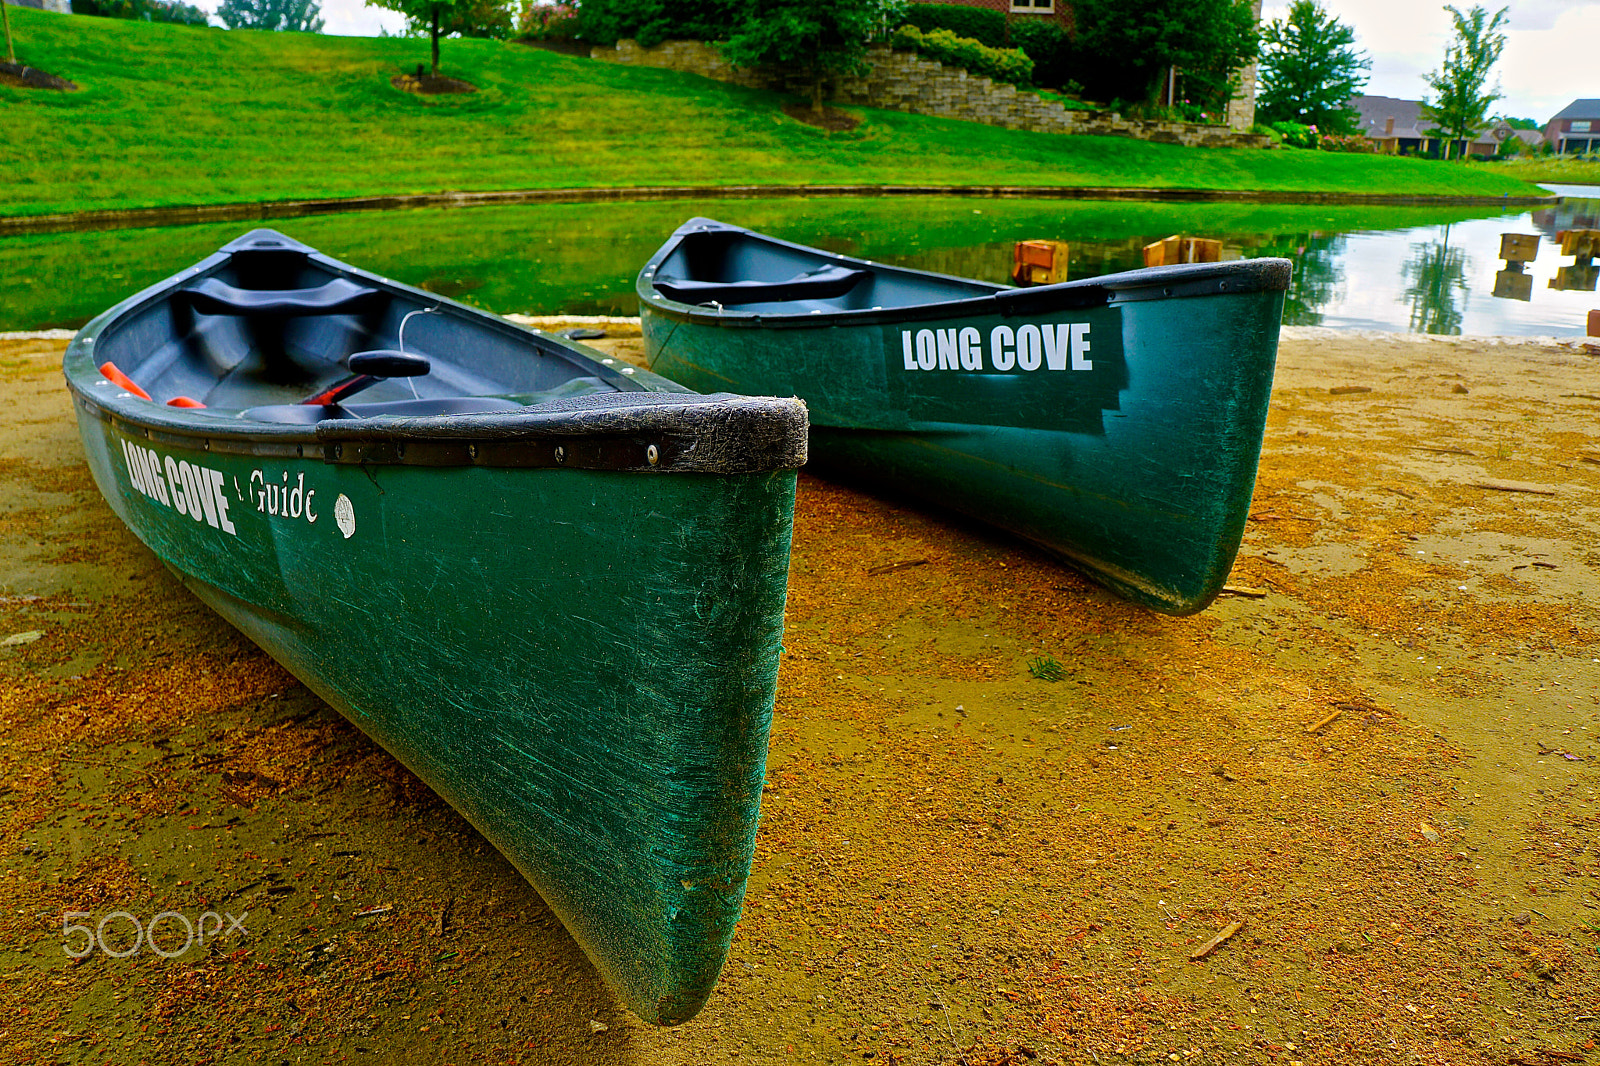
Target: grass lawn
(1562,169)
(175,114)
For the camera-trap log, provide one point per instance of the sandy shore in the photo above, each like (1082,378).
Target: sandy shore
(1379,755)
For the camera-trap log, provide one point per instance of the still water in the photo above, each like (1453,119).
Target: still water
(1429,270)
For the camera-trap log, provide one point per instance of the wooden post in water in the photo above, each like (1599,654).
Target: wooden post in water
(1039,262)
(1583,245)
(1177,249)
(1517,249)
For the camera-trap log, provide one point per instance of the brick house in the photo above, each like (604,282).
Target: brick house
(1575,128)
(1399,128)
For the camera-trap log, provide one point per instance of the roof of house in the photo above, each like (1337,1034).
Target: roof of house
(1409,122)
(1376,111)
(1579,109)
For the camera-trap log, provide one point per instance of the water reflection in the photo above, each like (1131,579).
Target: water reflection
(1355,267)
(1436,279)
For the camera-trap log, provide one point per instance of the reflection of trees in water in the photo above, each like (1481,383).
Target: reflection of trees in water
(1436,277)
(1316,272)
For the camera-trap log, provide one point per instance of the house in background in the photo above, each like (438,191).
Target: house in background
(1057,11)
(1575,128)
(63,7)
(1241,109)
(1399,128)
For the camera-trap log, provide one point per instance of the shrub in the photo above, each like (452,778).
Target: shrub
(143,10)
(980,24)
(1354,142)
(1297,135)
(1050,48)
(546,21)
(652,21)
(1001,64)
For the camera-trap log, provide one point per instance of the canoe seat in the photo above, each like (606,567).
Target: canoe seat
(822,284)
(301,414)
(338,297)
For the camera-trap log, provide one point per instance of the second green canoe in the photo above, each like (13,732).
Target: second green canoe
(1116,421)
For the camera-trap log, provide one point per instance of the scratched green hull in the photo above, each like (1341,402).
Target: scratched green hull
(593,694)
(1137,468)
(581,661)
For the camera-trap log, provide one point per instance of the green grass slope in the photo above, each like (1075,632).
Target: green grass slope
(174,115)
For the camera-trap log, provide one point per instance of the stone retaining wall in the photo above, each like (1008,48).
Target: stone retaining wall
(903,81)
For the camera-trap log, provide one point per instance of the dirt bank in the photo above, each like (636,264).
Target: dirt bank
(1379,755)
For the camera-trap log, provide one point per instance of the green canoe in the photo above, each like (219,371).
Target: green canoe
(1115,421)
(551,585)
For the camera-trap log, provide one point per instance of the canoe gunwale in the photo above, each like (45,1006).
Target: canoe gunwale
(647,415)
(1150,283)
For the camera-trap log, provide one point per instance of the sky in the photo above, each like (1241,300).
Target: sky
(1548,60)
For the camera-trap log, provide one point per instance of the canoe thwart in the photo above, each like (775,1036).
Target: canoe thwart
(826,283)
(336,297)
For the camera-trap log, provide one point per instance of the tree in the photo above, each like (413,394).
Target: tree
(1129,46)
(451,18)
(294,16)
(1460,99)
(1310,68)
(820,37)
(11,51)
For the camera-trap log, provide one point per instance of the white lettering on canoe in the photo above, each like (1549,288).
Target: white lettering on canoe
(188,488)
(1029,347)
(282,499)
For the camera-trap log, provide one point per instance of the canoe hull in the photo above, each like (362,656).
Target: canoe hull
(1119,429)
(564,617)
(591,687)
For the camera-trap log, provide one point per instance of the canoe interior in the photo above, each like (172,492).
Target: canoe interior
(184,343)
(716,265)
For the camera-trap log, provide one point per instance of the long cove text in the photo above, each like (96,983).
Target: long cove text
(1028,347)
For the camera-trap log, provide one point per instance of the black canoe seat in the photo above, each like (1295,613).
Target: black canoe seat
(337,297)
(301,414)
(822,284)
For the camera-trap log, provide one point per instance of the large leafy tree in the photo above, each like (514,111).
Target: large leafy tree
(1461,96)
(297,16)
(1130,45)
(1310,68)
(821,37)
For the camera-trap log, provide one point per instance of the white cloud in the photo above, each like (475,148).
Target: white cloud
(352,18)
(1543,68)
(345,18)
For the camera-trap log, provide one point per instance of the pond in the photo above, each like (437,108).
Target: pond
(1419,269)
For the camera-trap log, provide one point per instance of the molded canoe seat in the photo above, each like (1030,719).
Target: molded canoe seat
(300,414)
(822,284)
(338,297)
